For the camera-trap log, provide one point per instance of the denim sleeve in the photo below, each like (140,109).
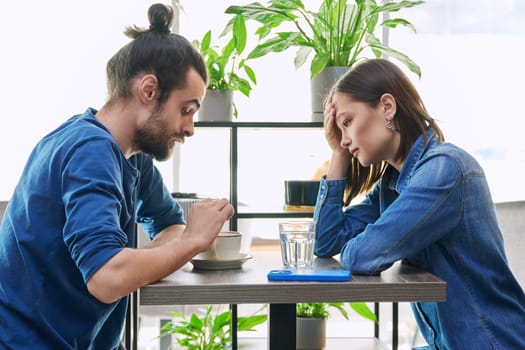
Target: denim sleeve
(156,208)
(335,226)
(426,210)
(93,198)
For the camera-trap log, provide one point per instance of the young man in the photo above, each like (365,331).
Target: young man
(67,261)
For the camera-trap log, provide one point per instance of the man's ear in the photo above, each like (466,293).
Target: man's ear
(388,105)
(147,89)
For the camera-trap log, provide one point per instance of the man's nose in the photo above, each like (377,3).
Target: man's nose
(188,127)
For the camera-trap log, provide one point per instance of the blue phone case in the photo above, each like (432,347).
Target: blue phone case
(309,275)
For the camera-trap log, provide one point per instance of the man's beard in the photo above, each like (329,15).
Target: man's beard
(153,139)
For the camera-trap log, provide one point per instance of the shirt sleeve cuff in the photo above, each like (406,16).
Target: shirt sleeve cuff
(333,189)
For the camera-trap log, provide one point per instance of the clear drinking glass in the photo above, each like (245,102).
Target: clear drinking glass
(297,243)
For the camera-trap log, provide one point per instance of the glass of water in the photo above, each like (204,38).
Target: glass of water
(297,243)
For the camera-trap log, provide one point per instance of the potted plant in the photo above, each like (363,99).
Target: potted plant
(211,331)
(225,67)
(311,321)
(339,33)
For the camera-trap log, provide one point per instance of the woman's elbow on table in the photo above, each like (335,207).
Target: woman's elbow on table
(325,248)
(360,264)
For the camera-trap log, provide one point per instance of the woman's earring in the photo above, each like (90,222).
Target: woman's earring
(389,125)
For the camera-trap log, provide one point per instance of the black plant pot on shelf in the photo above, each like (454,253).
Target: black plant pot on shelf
(300,195)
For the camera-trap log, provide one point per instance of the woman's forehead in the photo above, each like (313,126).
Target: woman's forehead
(345,101)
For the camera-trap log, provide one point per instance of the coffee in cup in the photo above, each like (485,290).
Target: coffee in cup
(226,246)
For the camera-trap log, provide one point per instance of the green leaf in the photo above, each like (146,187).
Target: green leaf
(222,320)
(206,41)
(248,323)
(363,310)
(302,56)
(239,33)
(391,6)
(240,84)
(227,51)
(394,22)
(281,42)
(401,57)
(319,62)
(177,314)
(341,307)
(196,322)
(235,111)
(250,73)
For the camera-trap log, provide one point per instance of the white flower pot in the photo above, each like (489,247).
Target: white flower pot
(311,333)
(320,87)
(217,106)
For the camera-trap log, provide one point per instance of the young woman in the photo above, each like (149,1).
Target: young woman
(427,202)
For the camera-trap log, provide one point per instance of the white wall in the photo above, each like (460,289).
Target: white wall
(53,66)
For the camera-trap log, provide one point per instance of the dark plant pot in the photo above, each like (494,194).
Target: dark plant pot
(217,106)
(320,87)
(311,333)
(300,193)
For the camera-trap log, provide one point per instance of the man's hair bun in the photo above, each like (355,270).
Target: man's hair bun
(161,18)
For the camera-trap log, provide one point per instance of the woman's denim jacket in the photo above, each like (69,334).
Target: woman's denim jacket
(436,213)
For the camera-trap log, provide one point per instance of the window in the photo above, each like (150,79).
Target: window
(469,52)
(470,56)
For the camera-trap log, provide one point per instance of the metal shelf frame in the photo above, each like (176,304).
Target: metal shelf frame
(234,162)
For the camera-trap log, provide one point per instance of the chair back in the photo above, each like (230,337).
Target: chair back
(511,217)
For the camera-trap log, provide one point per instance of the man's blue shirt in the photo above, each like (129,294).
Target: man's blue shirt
(75,207)
(436,213)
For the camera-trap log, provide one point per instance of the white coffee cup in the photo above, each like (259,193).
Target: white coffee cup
(226,246)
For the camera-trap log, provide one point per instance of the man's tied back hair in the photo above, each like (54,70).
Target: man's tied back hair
(154,50)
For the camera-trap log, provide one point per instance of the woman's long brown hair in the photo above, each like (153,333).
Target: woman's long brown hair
(367,82)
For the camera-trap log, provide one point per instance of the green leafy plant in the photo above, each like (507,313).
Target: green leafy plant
(338,33)
(226,66)
(322,310)
(212,330)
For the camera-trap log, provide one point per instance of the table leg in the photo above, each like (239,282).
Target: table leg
(281,327)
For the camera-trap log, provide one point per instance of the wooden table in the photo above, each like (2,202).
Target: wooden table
(249,285)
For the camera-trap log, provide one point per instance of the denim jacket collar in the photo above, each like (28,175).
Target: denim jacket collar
(400,180)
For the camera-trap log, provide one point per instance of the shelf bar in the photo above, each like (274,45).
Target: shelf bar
(236,125)
(234,159)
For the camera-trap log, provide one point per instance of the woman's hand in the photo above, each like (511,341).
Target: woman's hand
(331,131)
(341,158)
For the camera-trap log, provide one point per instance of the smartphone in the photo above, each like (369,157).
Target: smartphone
(309,275)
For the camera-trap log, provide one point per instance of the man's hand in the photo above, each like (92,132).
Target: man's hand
(205,220)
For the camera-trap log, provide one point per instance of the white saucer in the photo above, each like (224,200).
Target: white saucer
(220,264)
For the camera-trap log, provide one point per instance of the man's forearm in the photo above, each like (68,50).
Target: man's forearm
(169,233)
